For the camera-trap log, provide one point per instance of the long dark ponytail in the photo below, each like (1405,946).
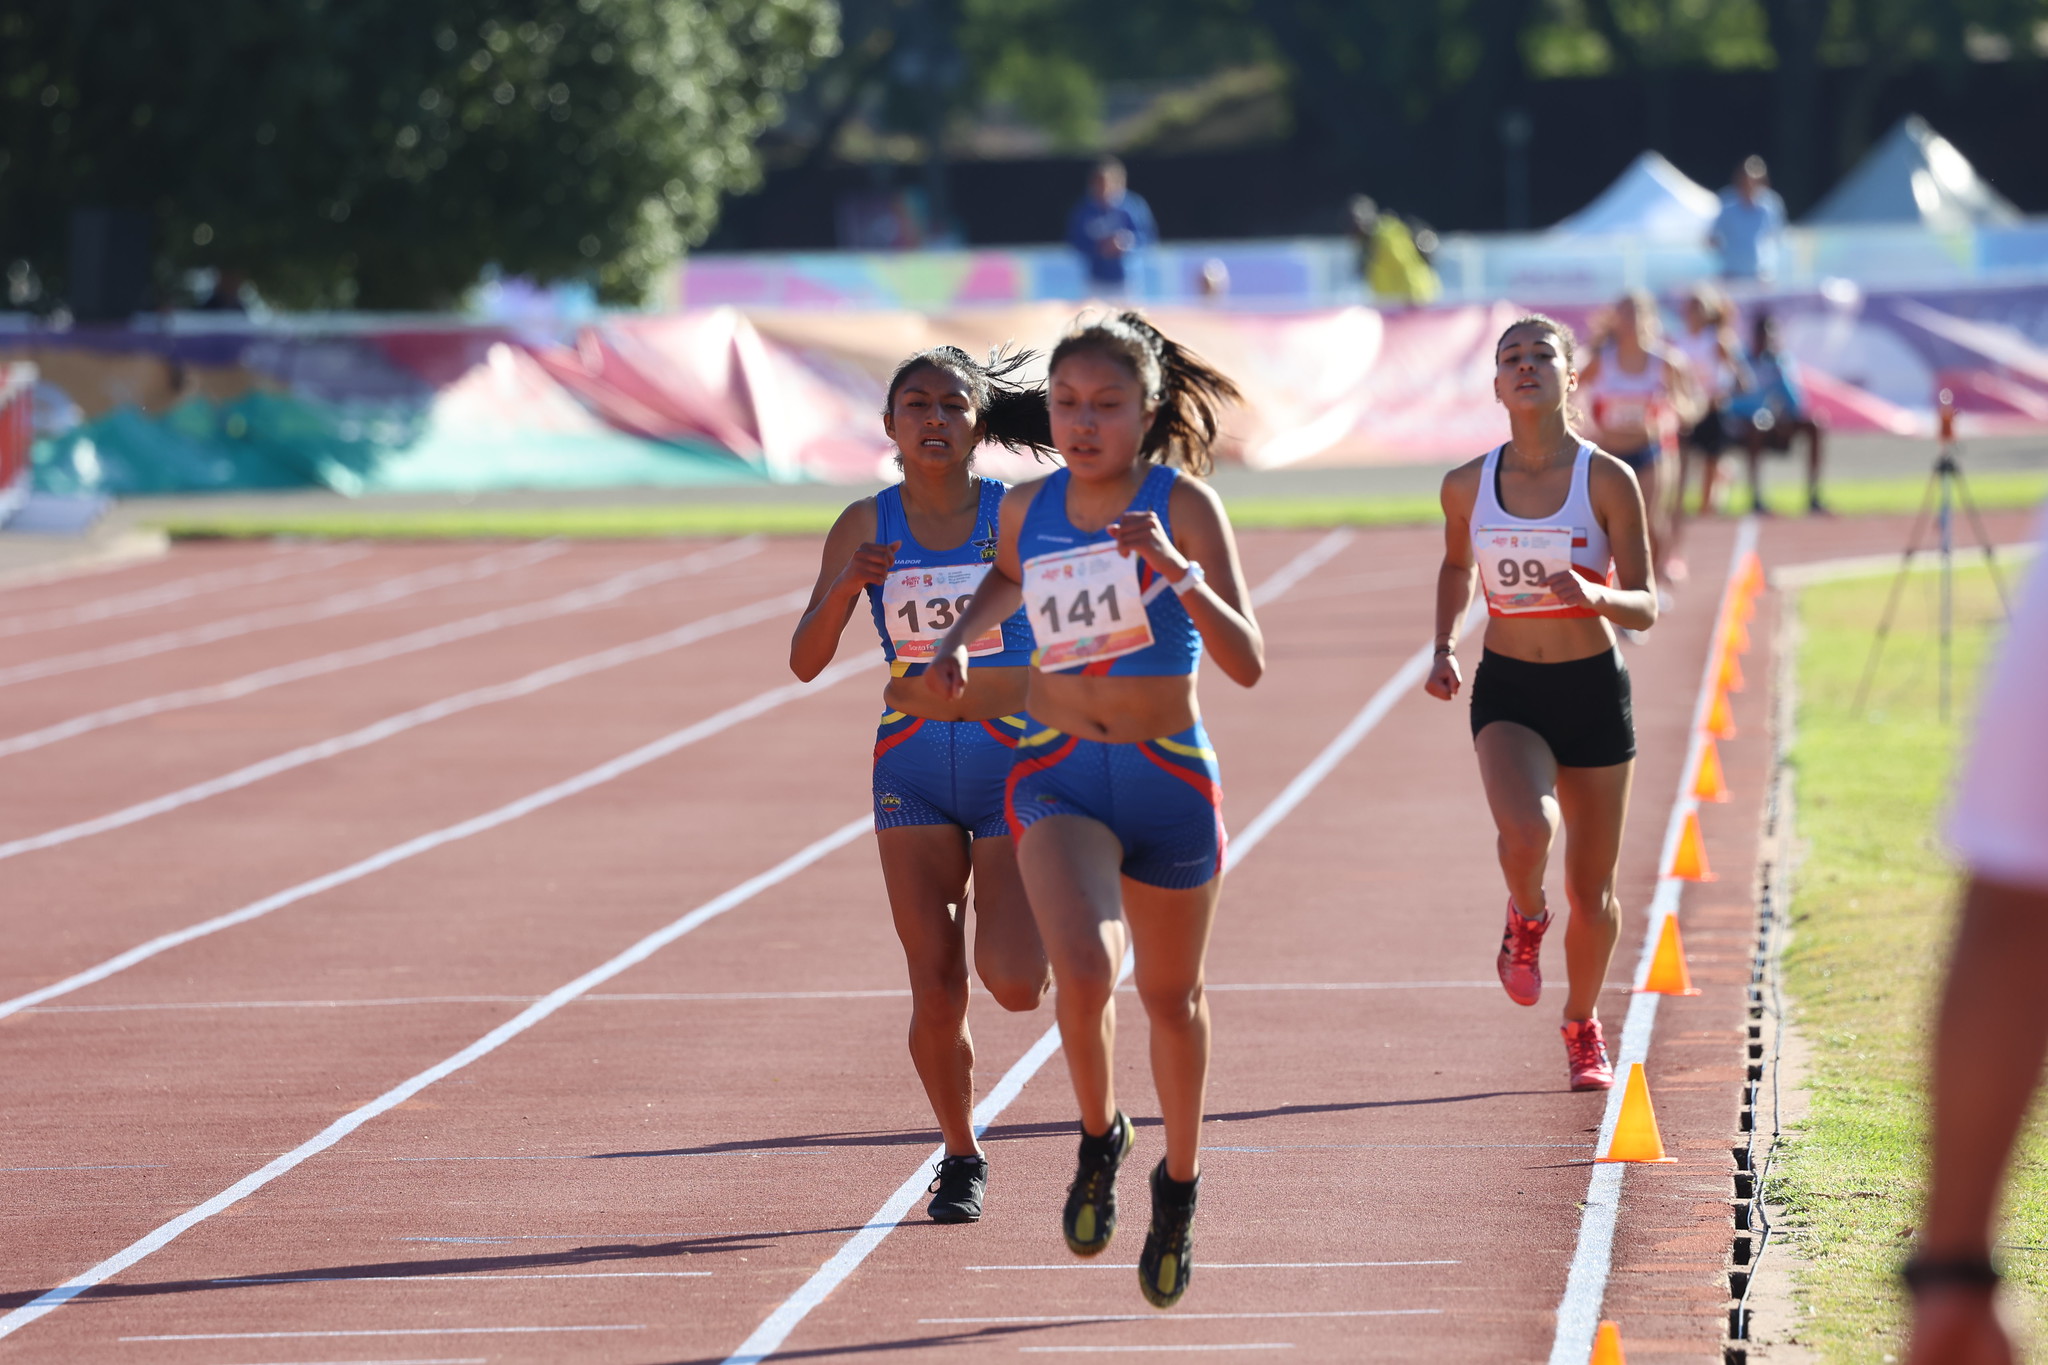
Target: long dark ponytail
(1013,414)
(1189,391)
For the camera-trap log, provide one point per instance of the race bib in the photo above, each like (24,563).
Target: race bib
(1085,607)
(1514,562)
(921,605)
(1622,412)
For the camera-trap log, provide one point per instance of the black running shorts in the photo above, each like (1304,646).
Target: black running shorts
(1580,709)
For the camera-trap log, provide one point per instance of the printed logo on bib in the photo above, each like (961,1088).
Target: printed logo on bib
(922,604)
(1085,607)
(1514,563)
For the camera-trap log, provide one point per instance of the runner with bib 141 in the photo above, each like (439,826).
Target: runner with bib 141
(1126,569)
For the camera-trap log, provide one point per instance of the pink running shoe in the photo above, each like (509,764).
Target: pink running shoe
(1521,945)
(1586,1051)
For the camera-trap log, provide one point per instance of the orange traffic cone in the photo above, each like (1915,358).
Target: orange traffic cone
(1721,720)
(1689,864)
(1668,975)
(1635,1134)
(1737,638)
(1607,1346)
(1731,671)
(1751,581)
(1710,785)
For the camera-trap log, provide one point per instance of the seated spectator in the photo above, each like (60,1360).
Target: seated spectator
(1771,412)
(1109,227)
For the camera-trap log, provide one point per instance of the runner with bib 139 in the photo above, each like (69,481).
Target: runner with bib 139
(919,552)
(1127,569)
(1554,531)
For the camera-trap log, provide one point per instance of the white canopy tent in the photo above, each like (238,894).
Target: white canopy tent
(1653,200)
(1916,176)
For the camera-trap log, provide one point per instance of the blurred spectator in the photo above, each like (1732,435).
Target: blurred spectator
(1993,1025)
(1715,370)
(1109,226)
(1633,386)
(1771,412)
(1214,281)
(1388,259)
(1751,223)
(226,294)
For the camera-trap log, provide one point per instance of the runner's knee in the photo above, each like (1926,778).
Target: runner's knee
(1171,1005)
(1016,991)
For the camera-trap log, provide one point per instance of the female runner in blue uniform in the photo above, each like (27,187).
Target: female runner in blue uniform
(1555,532)
(1126,568)
(918,552)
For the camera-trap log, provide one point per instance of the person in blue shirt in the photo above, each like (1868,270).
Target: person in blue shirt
(1109,227)
(1772,411)
(1748,230)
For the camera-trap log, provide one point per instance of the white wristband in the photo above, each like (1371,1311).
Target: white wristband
(1190,580)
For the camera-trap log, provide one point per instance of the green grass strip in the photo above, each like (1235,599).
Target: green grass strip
(663,520)
(1873,910)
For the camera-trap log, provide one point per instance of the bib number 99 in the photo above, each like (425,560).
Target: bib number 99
(1517,573)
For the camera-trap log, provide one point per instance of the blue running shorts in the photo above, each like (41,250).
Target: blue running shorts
(943,772)
(1162,798)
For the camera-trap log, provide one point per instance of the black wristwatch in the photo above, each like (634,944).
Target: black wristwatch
(1970,1272)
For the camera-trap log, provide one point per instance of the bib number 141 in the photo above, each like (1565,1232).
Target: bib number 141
(1085,607)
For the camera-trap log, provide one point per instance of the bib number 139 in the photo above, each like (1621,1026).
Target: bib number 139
(937,616)
(923,603)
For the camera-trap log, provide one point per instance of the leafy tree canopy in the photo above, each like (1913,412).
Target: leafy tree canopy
(382,152)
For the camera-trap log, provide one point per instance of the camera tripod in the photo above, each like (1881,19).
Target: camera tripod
(1946,488)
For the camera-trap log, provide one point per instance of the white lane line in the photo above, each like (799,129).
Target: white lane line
(684,997)
(1578,1313)
(1092,1350)
(163,1236)
(1188,1317)
(605,772)
(1813,572)
(1243,1265)
(339,604)
(1302,565)
(377,731)
(387,1332)
(471,1279)
(578,600)
(131,1166)
(767,1338)
(284,565)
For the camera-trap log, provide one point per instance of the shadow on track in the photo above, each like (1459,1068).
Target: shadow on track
(616,1253)
(1001,1132)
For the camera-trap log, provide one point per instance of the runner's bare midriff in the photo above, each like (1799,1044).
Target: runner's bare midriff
(991,692)
(1114,710)
(1549,640)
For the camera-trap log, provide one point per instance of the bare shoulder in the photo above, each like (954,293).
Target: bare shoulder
(1606,474)
(858,521)
(1018,500)
(1195,495)
(1461,486)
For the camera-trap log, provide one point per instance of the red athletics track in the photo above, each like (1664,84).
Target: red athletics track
(1394,1168)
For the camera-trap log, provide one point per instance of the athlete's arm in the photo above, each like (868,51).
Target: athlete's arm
(1001,592)
(850,563)
(1456,579)
(1618,502)
(1220,605)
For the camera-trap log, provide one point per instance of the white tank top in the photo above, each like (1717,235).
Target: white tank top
(1515,554)
(1703,349)
(1623,403)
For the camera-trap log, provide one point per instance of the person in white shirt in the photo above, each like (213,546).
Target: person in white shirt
(1992,1032)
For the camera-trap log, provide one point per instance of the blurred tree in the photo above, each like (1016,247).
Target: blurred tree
(382,152)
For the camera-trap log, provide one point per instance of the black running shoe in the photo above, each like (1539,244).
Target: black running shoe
(1090,1217)
(958,1183)
(1168,1262)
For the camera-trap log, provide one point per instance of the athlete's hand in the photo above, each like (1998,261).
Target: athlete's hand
(1572,590)
(946,677)
(1141,534)
(1444,679)
(869,566)
(1958,1326)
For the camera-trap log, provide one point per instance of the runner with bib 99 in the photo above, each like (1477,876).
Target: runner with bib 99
(941,761)
(1555,533)
(1127,569)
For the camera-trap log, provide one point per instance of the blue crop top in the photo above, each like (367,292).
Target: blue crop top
(978,548)
(1176,646)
